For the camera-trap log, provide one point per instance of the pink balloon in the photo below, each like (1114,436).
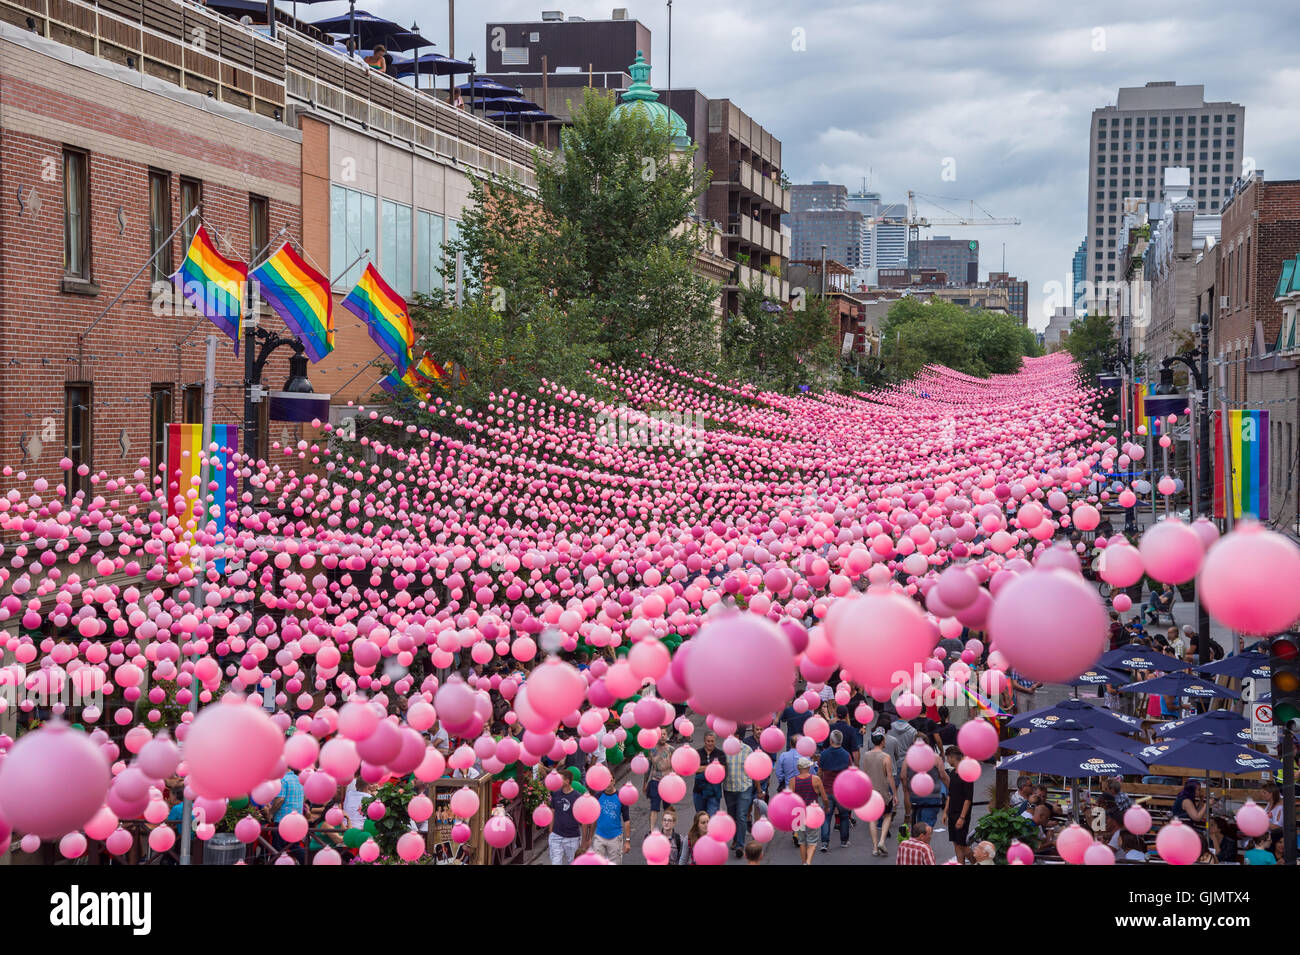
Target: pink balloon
(656,848)
(1178,844)
(1073,841)
(1247,581)
(52,781)
(1019,852)
(1171,552)
(410,845)
(1098,854)
(878,636)
(740,667)
(978,739)
(1058,653)
(1252,819)
(1137,820)
(230,748)
(672,789)
(709,851)
(499,831)
(852,788)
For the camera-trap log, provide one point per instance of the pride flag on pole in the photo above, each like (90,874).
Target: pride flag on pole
(1247,443)
(301,296)
(384,313)
(1140,392)
(213,284)
(185,451)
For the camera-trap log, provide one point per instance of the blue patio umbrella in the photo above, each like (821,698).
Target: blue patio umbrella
(1181,684)
(524,116)
(1248,664)
(1210,754)
(1098,676)
(1134,656)
(1075,759)
(371,31)
(1080,710)
(431,64)
(1065,730)
(485,87)
(1222,723)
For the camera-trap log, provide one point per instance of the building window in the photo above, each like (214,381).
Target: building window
(428,251)
(395,256)
(160,223)
(191,199)
(78,435)
(259,226)
(76,214)
(160,416)
(352,233)
(192,404)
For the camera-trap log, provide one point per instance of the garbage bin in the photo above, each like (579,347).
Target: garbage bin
(223,849)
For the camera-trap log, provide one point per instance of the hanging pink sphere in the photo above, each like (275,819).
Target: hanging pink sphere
(920,758)
(852,788)
(1248,581)
(969,769)
(1122,602)
(293,827)
(162,839)
(1058,653)
(672,789)
(922,785)
(740,667)
(1019,852)
(464,803)
(783,809)
(1252,819)
(1120,564)
(556,689)
(1171,552)
(119,842)
(542,816)
(410,846)
(1073,842)
(230,748)
(247,830)
(908,705)
(1178,844)
(656,848)
(709,851)
(878,636)
(52,781)
(1137,820)
(369,851)
(763,831)
(1098,854)
(586,809)
(721,826)
(72,845)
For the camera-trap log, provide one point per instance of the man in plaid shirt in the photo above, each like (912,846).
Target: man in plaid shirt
(916,850)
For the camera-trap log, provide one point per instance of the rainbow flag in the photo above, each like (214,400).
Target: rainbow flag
(430,370)
(384,313)
(393,382)
(301,296)
(213,284)
(1248,444)
(185,451)
(1140,392)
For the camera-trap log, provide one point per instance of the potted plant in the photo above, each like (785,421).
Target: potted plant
(1001,827)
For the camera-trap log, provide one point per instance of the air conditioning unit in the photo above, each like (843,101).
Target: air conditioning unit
(550,16)
(1223,301)
(620,13)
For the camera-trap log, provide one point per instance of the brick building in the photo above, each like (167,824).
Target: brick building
(100,163)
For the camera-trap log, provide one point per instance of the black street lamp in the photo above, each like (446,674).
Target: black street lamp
(1200,374)
(473,65)
(255,359)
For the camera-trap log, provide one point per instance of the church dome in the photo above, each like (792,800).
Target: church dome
(641,98)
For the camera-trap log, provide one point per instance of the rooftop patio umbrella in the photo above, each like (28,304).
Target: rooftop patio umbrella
(366,29)
(432,64)
(1079,710)
(1222,723)
(484,87)
(1239,665)
(1134,656)
(1098,676)
(1210,753)
(1075,759)
(1181,684)
(1064,730)
(525,116)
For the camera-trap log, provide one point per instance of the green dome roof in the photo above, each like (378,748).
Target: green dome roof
(641,98)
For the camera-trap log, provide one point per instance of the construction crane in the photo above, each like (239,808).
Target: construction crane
(916,223)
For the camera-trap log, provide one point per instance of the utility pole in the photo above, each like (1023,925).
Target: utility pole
(451,28)
(670,44)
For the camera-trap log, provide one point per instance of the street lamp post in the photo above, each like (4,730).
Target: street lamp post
(1200,374)
(255,360)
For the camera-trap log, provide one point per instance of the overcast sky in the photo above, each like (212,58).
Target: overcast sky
(1004,89)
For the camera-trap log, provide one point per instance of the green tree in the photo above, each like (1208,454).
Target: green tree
(1090,341)
(981,343)
(780,349)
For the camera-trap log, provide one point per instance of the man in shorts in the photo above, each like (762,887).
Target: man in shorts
(961,800)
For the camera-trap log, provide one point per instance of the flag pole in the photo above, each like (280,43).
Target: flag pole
(209,389)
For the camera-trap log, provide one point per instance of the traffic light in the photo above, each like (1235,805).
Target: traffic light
(1284,661)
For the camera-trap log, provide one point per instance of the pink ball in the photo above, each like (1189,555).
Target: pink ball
(230,748)
(874,809)
(922,785)
(52,781)
(369,851)
(722,827)
(978,739)
(852,788)
(1137,820)
(72,845)
(598,778)
(1098,854)
(763,831)
(1055,654)
(878,636)
(119,842)
(1073,842)
(1252,819)
(1019,852)
(672,788)
(656,848)
(1178,844)
(758,765)
(784,809)
(969,769)
(1122,602)
(410,846)
(740,667)
(709,851)
(920,758)
(556,689)
(464,803)
(1171,552)
(162,839)
(542,816)
(1120,564)
(293,827)
(586,809)
(1248,579)
(908,705)
(247,830)
(499,831)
